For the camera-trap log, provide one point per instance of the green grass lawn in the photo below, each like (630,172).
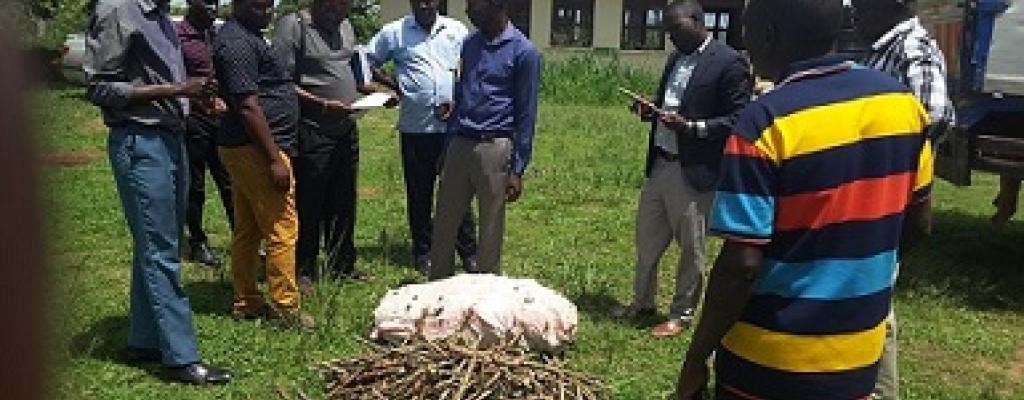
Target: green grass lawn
(960,297)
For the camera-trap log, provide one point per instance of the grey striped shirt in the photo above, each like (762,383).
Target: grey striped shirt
(133,43)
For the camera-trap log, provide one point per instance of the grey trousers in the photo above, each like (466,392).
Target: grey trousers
(471,168)
(670,209)
(887,387)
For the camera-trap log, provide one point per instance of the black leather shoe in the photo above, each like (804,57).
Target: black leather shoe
(201,253)
(470,264)
(136,355)
(199,374)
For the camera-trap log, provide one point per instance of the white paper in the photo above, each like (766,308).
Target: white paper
(374,100)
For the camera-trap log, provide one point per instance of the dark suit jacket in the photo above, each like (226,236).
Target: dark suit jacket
(720,86)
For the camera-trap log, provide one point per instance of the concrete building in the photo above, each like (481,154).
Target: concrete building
(623,27)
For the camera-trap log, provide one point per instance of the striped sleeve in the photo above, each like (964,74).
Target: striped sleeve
(744,206)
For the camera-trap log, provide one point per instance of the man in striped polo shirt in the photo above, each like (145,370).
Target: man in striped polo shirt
(825,184)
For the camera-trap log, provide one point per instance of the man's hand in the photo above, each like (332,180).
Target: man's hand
(219,106)
(673,121)
(195,88)
(337,107)
(513,188)
(280,175)
(693,381)
(641,107)
(444,111)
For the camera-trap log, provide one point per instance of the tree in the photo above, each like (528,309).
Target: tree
(45,23)
(364,16)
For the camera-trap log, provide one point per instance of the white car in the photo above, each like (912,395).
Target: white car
(73,58)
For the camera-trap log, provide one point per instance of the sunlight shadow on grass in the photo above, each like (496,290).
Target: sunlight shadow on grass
(968,260)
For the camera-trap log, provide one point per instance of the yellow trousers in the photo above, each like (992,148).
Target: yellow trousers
(262,213)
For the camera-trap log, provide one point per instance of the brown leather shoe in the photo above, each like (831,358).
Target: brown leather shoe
(259,312)
(669,328)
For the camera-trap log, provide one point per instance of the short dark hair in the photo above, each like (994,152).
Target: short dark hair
(814,24)
(691,7)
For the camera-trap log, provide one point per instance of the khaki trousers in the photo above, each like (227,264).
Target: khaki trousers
(670,210)
(471,168)
(887,387)
(262,213)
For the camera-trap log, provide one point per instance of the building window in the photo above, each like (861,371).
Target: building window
(519,13)
(642,25)
(572,23)
(723,25)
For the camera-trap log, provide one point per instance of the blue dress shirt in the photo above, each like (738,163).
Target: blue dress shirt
(497,91)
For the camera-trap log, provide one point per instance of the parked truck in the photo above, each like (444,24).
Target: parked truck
(989,94)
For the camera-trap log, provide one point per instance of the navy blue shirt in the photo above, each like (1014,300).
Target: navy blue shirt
(497,91)
(245,66)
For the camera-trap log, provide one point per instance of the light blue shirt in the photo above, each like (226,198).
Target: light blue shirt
(425,62)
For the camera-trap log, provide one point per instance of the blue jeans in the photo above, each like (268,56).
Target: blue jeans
(152,180)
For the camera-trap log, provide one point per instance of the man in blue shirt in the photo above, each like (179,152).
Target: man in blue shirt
(425,49)
(492,128)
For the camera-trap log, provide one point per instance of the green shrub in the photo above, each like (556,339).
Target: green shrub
(592,80)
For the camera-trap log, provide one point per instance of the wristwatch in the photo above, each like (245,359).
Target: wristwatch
(699,129)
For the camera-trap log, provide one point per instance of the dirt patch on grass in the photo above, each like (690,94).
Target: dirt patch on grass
(72,158)
(369,191)
(1016,370)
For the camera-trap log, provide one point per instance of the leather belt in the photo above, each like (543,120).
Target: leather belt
(485,136)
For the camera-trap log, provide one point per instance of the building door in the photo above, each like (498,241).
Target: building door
(519,11)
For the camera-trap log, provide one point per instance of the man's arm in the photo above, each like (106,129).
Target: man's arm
(743,214)
(735,87)
(916,227)
(527,71)
(917,223)
(107,46)
(729,288)
(255,123)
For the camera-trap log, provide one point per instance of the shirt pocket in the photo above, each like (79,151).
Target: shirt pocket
(495,75)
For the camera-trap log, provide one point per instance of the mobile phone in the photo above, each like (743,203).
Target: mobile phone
(640,99)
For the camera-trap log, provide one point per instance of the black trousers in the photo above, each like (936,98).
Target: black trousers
(325,175)
(201,131)
(420,156)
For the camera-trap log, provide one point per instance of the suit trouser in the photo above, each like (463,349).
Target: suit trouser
(262,213)
(472,167)
(887,387)
(325,172)
(201,132)
(148,165)
(421,153)
(670,209)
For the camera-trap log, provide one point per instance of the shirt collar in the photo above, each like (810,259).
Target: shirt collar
(900,29)
(700,49)
(816,66)
(703,46)
(507,35)
(438,24)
